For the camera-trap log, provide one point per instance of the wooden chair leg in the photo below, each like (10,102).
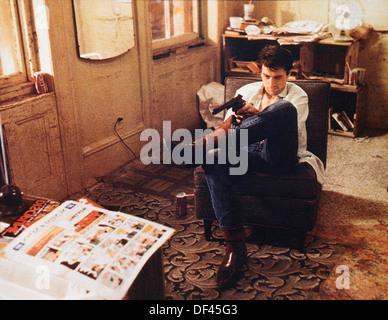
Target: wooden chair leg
(207,225)
(300,240)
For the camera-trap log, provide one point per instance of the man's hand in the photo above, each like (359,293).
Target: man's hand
(245,112)
(227,124)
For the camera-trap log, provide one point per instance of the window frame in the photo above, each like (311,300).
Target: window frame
(186,39)
(21,82)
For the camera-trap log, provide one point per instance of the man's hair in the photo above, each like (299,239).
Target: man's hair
(275,57)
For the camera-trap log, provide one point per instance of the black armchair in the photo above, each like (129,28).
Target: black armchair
(288,201)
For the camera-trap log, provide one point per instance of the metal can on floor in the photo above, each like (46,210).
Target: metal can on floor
(181,204)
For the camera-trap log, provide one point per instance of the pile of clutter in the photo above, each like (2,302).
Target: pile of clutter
(251,26)
(266,26)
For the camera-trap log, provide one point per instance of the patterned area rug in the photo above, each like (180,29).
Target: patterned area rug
(191,262)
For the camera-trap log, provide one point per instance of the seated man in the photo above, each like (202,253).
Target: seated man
(274,119)
(275,116)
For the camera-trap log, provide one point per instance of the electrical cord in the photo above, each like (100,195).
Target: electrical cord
(121,139)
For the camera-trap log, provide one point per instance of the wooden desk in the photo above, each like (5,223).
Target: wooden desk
(149,284)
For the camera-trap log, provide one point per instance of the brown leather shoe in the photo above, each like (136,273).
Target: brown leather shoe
(235,258)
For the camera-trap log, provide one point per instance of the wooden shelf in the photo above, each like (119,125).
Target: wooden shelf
(332,42)
(341,133)
(346,87)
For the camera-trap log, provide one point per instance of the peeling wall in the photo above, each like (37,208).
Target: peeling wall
(374,58)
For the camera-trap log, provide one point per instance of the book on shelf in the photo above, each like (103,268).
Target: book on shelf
(253,67)
(245,66)
(356,76)
(342,119)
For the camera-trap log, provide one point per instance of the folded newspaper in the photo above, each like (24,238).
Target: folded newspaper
(80,250)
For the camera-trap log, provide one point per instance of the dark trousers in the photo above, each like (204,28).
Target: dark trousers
(272,147)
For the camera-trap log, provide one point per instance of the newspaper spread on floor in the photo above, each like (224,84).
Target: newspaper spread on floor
(84,246)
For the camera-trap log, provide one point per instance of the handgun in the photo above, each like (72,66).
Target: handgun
(236,103)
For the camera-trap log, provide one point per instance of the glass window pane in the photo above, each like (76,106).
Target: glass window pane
(156,8)
(183,17)
(10,57)
(171,18)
